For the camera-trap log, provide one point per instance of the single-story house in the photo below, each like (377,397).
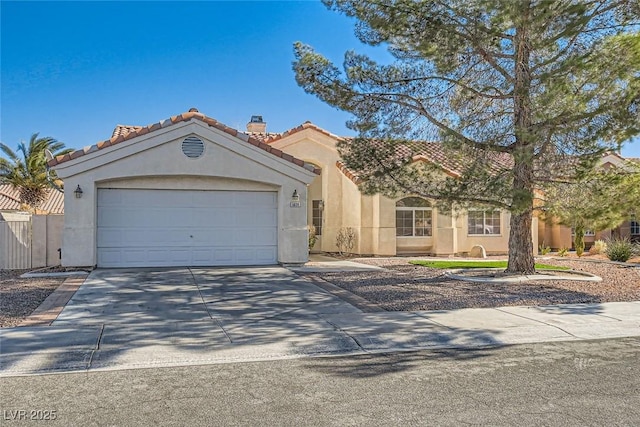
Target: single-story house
(191,191)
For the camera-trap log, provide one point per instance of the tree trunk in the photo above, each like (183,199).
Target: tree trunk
(521,258)
(520,239)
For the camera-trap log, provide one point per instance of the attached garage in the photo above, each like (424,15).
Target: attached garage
(187,191)
(166,228)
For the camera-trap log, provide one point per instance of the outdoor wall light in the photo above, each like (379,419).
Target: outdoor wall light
(78,192)
(295,197)
(321,205)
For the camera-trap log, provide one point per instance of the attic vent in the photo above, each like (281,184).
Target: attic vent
(192,147)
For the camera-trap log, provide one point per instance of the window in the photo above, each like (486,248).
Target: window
(413,217)
(635,228)
(483,222)
(586,232)
(316,216)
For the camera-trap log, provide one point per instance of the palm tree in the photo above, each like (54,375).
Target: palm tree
(26,168)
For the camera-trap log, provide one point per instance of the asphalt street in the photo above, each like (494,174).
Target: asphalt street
(552,384)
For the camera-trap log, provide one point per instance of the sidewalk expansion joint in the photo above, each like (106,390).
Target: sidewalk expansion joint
(97,347)
(354,339)
(215,319)
(434,322)
(539,321)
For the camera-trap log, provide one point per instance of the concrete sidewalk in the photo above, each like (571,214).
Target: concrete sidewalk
(90,347)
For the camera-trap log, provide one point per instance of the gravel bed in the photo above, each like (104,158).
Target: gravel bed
(406,287)
(19,297)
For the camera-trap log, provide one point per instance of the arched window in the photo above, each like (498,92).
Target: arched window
(413,217)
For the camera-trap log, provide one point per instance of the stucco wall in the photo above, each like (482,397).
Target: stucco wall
(320,149)
(156,161)
(46,240)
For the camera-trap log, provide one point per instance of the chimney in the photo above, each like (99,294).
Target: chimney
(257,125)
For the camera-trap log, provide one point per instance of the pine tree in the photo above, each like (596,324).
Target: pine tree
(519,93)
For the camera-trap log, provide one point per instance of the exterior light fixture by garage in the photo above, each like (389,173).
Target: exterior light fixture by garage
(295,200)
(78,192)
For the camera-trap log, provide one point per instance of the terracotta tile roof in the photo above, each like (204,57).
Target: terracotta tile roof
(271,137)
(124,129)
(192,114)
(432,152)
(10,200)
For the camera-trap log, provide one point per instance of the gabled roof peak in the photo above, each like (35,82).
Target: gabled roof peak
(126,132)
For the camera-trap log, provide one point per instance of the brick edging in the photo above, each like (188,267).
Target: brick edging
(51,307)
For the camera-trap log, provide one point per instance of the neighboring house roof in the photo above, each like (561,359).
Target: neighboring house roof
(124,133)
(10,200)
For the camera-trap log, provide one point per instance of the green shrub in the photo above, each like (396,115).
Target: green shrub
(312,237)
(544,249)
(619,249)
(563,252)
(599,247)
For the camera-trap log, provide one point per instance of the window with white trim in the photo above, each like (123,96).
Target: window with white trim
(483,222)
(413,217)
(635,228)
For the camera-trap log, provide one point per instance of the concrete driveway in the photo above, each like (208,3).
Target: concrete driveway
(127,318)
(134,296)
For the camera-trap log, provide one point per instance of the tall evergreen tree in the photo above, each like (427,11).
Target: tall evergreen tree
(519,93)
(26,168)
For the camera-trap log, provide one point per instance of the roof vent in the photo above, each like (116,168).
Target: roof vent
(192,147)
(193,110)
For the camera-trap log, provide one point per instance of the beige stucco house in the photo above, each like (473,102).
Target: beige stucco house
(191,191)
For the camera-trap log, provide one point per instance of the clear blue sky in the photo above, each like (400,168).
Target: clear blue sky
(73,70)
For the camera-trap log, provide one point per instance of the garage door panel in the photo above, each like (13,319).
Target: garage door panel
(269,216)
(181,228)
(265,254)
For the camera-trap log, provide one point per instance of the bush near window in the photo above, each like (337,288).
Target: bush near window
(619,249)
(312,236)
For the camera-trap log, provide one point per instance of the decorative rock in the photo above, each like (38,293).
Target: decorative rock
(478,252)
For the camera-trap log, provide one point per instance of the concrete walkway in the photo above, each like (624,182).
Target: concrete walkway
(123,319)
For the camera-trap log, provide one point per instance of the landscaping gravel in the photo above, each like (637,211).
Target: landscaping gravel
(19,297)
(405,287)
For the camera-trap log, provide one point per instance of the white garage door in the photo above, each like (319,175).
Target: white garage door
(151,228)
